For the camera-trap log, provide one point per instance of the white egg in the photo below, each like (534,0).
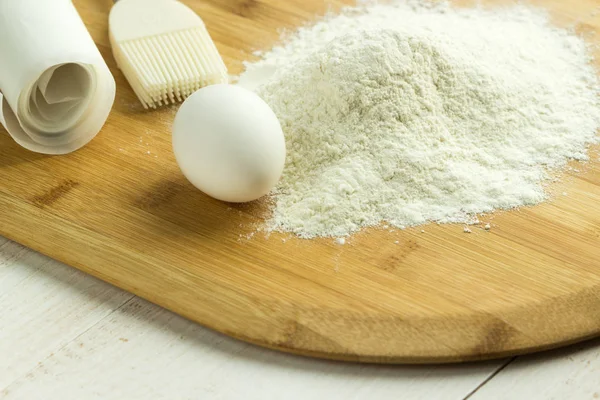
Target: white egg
(229,143)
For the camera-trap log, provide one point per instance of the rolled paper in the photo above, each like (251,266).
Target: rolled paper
(56,90)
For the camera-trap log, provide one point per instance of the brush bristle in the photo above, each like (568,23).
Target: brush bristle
(167,68)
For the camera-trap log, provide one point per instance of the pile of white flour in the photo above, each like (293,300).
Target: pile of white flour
(407,113)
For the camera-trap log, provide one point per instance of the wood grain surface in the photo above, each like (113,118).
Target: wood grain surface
(121,210)
(68,336)
(65,335)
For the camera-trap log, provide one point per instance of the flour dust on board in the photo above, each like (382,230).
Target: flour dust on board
(410,112)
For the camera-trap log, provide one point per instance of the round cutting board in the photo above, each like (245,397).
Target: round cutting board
(121,210)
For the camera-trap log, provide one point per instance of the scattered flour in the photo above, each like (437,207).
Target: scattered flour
(412,112)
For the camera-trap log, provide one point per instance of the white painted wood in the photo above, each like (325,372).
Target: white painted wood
(43,306)
(572,373)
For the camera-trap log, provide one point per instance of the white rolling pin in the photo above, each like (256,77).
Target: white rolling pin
(56,90)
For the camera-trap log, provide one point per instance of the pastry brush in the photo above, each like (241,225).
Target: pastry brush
(164,50)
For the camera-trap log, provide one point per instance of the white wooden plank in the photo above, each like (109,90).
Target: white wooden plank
(43,306)
(570,373)
(144,352)
(11,256)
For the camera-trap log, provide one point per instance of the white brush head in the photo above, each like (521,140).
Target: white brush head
(164,50)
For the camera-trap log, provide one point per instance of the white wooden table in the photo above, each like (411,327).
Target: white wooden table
(65,335)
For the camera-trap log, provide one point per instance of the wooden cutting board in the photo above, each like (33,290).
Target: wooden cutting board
(121,210)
